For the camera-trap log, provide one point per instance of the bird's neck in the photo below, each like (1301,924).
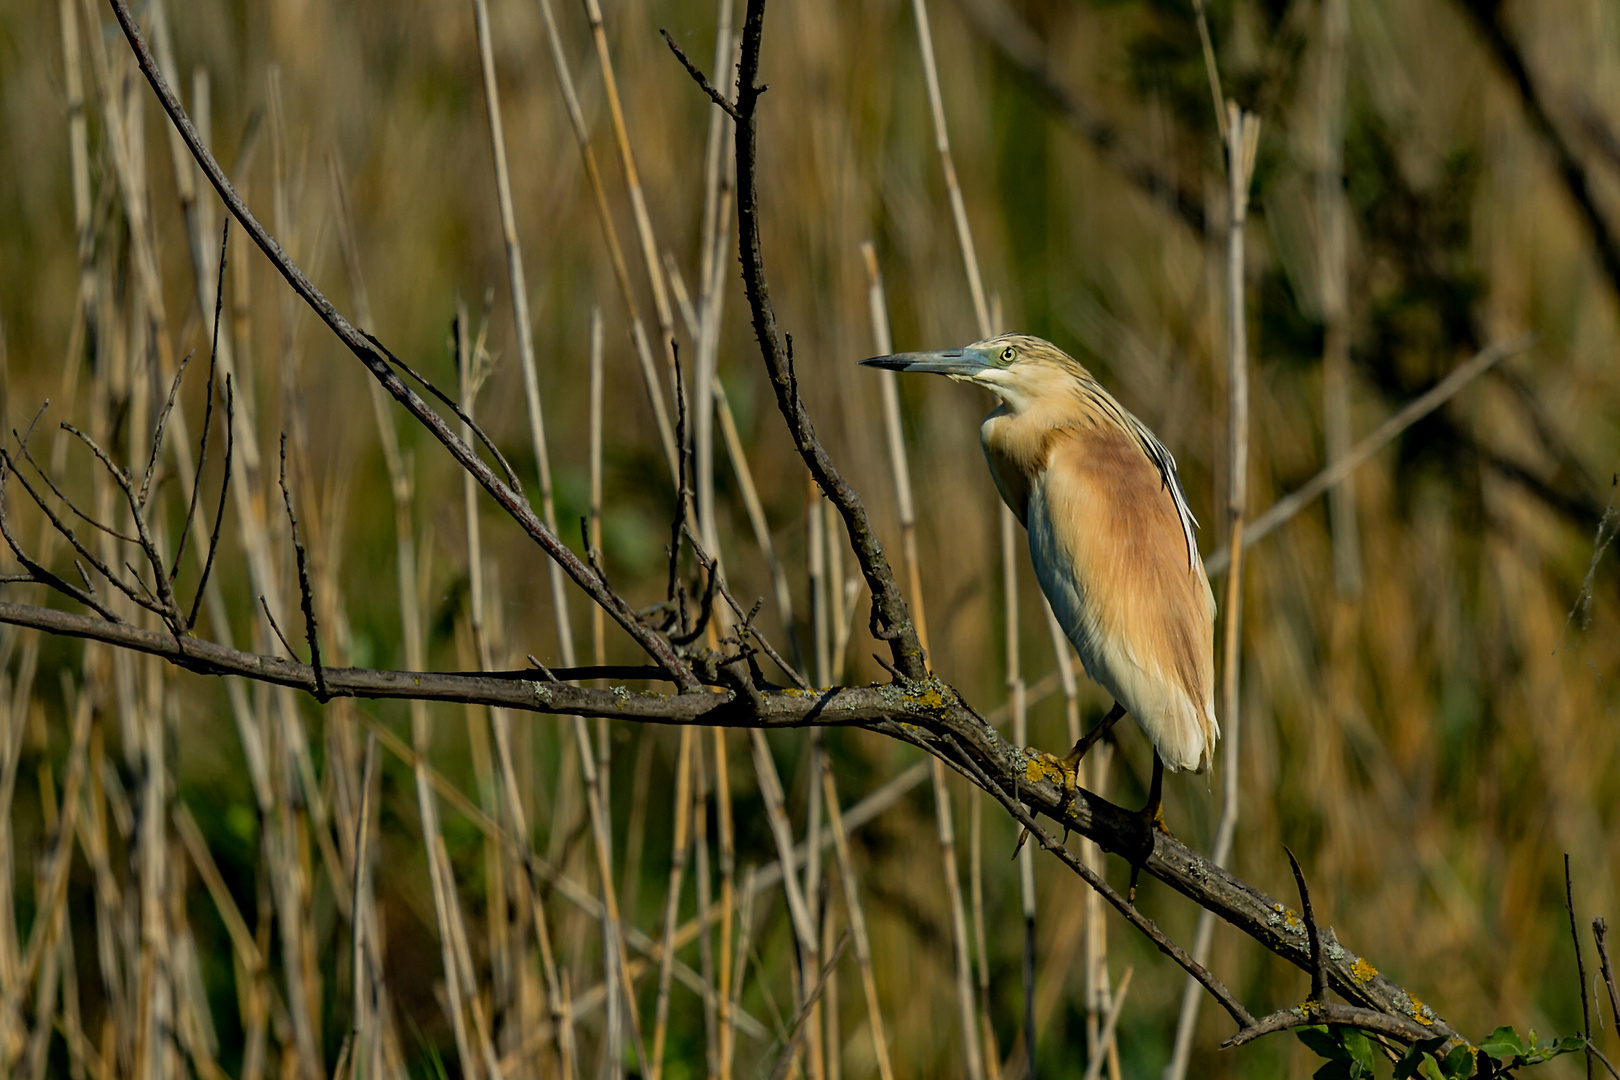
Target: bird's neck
(1017,438)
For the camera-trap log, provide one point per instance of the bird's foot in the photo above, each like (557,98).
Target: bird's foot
(1153,818)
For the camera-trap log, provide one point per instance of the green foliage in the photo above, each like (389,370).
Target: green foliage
(1348,1054)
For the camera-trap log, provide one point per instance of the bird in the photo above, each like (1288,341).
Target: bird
(1111,537)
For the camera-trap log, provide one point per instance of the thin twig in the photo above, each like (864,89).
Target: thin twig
(1580,967)
(698,77)
(291,653)
(219,511)
(784,1060)
(1318,969)
(305,593)
(208,404)
(1600,933)
(1110,1028)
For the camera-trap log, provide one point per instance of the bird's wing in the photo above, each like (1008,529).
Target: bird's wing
(1107,541)
(1169,479)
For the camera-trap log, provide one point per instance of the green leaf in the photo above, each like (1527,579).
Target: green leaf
(1503,1043)
(1360,1050)
(1322,1042)
(1337,1070)
(1429,1069)
(1459,1063)
(1412,1062)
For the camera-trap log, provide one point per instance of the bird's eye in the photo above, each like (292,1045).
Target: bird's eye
(1008,354)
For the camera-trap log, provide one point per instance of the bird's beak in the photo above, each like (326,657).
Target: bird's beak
(957,363)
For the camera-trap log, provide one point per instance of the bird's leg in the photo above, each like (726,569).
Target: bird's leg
(1152,816)
(1068,766)
(1154,810)
(1071,762)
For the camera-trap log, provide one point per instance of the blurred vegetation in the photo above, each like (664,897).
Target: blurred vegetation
(1428,745)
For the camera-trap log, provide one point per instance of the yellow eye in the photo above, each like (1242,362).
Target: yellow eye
(1008,354)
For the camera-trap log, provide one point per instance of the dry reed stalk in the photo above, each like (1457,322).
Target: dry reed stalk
(520,315)
(992,1056)
(638,335)
(819,544)
(728,875)
(770,790)
(680,846)
(888,385)
(469,979)
(710,299)
(12,706)
(576,894)
(936,770)
(594,449)
(857,925)
(1242,133)
(833,1057)
(1110,1026)
(473,366)
(733,1007)
(815,545)
(632,182)
(817,1050)
(703,882)
(405,562)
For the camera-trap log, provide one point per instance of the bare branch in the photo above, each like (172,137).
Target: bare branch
(1379,1023)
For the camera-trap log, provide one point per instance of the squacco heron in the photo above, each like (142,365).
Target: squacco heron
(1111,538)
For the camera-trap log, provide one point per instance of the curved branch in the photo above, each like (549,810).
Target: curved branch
(926,713)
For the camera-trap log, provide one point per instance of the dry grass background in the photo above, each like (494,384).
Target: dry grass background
(1428,747)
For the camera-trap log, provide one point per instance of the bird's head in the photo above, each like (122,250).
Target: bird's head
(1017,368)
